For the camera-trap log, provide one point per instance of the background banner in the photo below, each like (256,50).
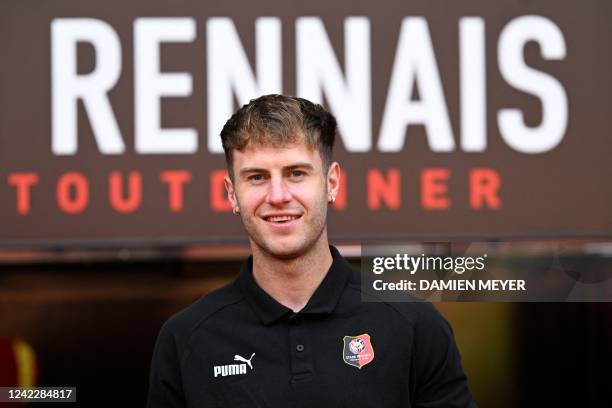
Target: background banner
(471,119)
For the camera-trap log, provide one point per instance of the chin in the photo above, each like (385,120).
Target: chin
(285,251)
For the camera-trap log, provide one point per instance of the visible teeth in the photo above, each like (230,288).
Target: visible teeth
(282,218)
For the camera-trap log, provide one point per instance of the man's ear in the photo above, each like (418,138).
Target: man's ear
(333,181)
(231,194)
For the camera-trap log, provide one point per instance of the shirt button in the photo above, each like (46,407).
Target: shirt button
(299,348)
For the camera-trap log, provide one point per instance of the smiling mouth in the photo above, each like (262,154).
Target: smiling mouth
(280,219)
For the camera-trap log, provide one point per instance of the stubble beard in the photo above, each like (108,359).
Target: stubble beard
(314,233)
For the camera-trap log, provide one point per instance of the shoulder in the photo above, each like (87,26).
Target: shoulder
(182,324)
(418,314)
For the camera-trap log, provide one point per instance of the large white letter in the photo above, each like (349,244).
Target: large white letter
(512,126)
(150,85)
(473,84)
(415,63)
(318,72)
(229,70)
(67,86)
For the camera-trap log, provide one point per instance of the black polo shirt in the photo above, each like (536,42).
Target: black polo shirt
(238,347)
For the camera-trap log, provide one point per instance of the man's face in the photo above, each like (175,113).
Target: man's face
(282,195)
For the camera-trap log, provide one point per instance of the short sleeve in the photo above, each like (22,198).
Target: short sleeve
(439,377)
(165,385)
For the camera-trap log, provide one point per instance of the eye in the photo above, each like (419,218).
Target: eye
(297,173)
(256,178)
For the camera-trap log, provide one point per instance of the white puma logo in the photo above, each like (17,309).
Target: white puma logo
(244,360)
(233,369)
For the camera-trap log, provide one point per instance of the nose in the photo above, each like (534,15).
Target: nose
(278,193)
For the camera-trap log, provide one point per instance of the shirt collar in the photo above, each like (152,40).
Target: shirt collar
(324,299)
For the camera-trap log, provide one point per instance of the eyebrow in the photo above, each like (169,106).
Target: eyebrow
(290,167)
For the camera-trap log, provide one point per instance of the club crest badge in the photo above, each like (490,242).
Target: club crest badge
(357,351)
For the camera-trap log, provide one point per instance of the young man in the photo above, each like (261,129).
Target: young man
(291,331)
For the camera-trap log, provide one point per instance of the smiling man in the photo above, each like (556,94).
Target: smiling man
(291,330)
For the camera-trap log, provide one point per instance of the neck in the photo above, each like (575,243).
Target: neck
(291,282)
